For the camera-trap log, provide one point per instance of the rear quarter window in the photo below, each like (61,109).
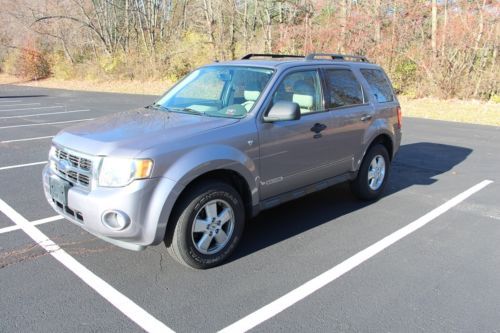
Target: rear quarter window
(380,86)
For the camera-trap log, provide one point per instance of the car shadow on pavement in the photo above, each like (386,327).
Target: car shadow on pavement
(415,164)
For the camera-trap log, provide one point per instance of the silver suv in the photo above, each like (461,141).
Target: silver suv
(226,142)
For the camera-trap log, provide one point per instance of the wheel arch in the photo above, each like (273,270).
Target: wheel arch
(385,140)
(228,176)
(215,161)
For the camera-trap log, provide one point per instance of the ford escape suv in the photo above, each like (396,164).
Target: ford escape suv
(226,142)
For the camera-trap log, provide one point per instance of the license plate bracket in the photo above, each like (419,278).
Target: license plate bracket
(59,190)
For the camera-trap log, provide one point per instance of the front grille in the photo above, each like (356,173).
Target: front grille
(85,164)
(78,169)
(75,161)
(84,179)
(72,175)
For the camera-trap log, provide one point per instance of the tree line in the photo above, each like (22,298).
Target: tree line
(446,48)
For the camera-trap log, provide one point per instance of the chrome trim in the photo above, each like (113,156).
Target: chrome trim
(78,168)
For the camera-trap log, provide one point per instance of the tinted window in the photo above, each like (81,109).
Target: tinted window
(302,88)
(343,88)
(379,85)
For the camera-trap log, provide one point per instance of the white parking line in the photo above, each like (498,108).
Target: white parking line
(21,165)
(130,309)
(36,222)
(27,139)
(11,101)
(43,114)
(38,108)
(311,286)
(47,219)
(41,124)
(3,105)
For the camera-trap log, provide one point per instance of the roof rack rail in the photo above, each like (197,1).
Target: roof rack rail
(333,56)
(269,55)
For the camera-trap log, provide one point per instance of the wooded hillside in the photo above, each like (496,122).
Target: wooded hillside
(443,48)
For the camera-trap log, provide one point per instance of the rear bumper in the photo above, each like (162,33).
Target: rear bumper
(146,202)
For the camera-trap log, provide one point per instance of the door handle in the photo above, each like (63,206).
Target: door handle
(366,117)
(317,128)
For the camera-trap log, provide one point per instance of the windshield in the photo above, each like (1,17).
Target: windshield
(218,91)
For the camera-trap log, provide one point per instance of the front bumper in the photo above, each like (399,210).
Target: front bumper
(146,202)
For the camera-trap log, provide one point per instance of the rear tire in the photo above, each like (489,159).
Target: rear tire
(373,174)
(209,223)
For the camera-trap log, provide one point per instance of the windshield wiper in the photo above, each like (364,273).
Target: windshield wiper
(158,107)
(189,110)
(182,110)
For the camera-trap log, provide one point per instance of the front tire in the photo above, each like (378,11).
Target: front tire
(209,223)
(373,174)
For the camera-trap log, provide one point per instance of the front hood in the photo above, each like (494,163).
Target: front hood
(130,132)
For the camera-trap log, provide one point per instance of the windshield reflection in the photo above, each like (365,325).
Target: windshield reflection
(217,91)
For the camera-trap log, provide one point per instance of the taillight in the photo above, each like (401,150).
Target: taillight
(400,117)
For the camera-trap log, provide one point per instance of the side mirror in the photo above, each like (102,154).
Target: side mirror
(282,111)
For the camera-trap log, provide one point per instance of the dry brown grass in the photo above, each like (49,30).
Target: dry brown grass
(129,87)
(470,111)
(9,79)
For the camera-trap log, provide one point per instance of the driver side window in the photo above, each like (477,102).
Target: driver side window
(303,88)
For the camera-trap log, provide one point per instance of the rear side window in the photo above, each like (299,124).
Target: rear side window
(343,88)
(379,85)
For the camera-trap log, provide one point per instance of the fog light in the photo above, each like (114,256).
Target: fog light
(115,220)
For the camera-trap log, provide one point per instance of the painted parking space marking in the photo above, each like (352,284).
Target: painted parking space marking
(44,114)
(272,309)
(121,302)
(36,222)
(21,165)
(11,101)
(4,105)
(28,139)
(37,108)
(44,124)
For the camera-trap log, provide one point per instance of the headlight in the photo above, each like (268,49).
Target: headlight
(118,172)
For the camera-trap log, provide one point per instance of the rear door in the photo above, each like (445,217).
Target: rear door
(351,115)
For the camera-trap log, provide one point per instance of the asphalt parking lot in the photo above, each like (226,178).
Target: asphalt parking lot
(426,257)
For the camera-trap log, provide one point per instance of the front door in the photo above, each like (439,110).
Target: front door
(296,153)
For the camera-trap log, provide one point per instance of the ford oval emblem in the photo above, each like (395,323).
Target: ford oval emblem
(63,165)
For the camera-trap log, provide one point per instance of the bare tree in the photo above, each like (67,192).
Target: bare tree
(434,28)
(167,38)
